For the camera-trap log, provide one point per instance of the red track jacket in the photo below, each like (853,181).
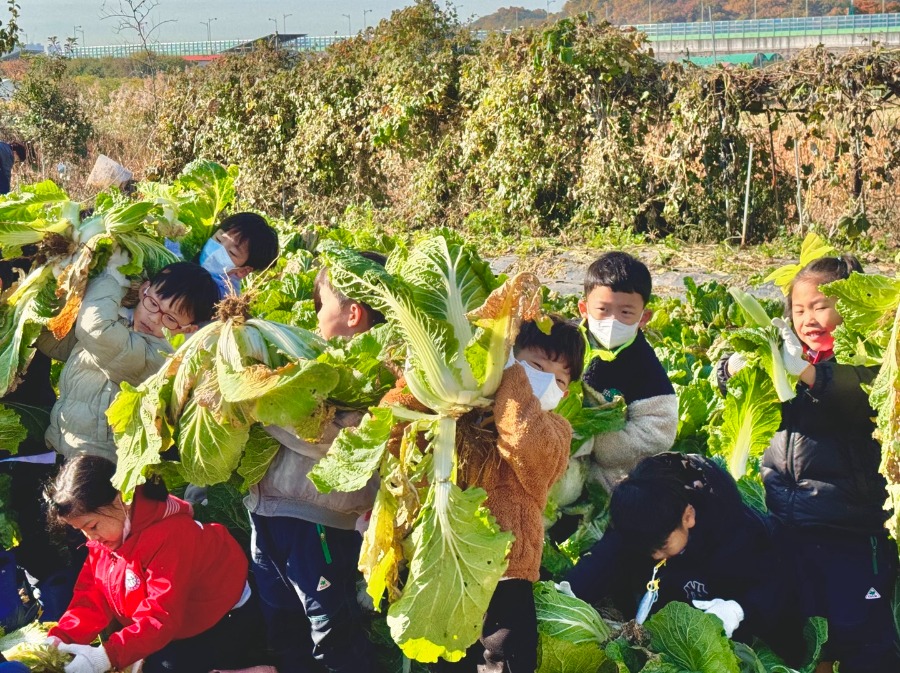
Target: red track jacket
(171,578)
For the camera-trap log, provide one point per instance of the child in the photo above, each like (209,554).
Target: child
(12,666)
(113,345)
(822,481)
(174,591)
(524,453)
(9,152)
(47,562)
(719,554)
(305,548)
(616,291)
(243,243)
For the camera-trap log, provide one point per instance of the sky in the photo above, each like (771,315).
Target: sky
(233,19)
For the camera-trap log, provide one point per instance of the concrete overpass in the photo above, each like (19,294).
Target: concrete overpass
(672,41)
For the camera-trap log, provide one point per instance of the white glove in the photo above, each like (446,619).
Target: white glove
(88,659)
(736,362)
(565,589)
(792,350)
(730,613)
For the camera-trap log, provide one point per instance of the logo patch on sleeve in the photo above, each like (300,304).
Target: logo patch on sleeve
(132,581)
(323,584)
(872,594)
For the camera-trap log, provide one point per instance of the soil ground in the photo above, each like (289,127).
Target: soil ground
(563,271)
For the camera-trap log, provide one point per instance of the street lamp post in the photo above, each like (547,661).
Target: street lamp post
(365,25)
(349,25)
(549,2)
(284,18)
(208,24)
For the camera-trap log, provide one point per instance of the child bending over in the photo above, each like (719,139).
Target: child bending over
(174,591)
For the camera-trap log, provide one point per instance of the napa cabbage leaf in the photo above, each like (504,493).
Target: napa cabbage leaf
(571,635)
(458,325)
(692,640)
(751,417)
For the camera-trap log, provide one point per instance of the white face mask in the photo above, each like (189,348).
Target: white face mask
(215,259)
(543,385)
(612,333)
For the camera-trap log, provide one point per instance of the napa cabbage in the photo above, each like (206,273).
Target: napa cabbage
(571,635)
(458,327)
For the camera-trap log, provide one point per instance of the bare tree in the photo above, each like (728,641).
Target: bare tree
(134,18)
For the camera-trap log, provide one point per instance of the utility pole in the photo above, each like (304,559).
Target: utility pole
(549,2)
(712,26)
(349,25)
(649,11)
(365,25)
(284,18)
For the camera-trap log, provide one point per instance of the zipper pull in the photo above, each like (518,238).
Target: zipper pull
(320,529)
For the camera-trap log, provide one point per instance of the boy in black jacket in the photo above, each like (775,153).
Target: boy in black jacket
(719,554)
(616,291)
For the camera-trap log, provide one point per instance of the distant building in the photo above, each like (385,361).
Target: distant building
(27,49)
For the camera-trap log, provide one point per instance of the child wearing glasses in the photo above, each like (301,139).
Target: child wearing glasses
(115,344)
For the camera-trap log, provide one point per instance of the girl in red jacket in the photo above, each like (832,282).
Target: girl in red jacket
(174,590)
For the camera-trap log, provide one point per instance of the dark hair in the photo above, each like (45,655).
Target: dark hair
(565,343)
(825,270)
(190,287)
(620,272)
(374,317)
(84,485)
(647,506)
(262,239)
(19,150)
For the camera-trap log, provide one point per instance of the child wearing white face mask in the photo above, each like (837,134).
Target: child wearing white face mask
(243,243)
(617,288)
(516,451)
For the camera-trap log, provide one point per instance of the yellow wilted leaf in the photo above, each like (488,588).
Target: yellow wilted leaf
(814,247)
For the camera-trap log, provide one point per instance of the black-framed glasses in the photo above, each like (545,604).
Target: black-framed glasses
(168,320)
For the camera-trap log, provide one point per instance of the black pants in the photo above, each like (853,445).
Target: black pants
(308,596)
(236,641)
(849,579)
(508,642)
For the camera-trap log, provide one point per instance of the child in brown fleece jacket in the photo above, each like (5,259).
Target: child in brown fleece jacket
(516,455)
